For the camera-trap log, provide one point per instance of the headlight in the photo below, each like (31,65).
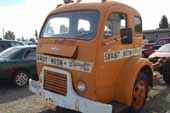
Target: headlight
(153,59)
(81,86)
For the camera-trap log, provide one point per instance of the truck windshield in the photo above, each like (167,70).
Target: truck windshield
(80,25)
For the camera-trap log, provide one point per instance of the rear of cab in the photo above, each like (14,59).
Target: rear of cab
(80,60)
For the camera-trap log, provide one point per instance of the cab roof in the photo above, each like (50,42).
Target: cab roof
(101,6)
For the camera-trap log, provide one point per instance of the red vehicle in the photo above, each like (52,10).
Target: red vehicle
(161,61)
(147,52)
(160,42)
(148,45)
(149,48)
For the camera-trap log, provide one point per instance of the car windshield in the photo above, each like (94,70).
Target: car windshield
(80,25)
(9,53)
(165,48)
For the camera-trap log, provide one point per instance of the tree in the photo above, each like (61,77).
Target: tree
(32,39)
(22,39)
(164,22)
(9,35)
(18,39)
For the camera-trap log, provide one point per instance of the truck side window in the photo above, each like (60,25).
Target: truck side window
(114,24)
(138,25)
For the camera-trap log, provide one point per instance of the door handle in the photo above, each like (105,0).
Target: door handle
(110,42)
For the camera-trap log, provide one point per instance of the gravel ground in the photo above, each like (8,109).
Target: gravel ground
(21,100)
(159,98)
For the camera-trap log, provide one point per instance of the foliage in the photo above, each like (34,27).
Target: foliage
(32,39)
(23,39)
(9,35)
(18,39)
(164,22)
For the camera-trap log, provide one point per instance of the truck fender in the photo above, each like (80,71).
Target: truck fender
(127,77)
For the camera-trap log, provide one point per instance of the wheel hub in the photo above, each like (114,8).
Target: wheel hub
(21,79)
(139,94)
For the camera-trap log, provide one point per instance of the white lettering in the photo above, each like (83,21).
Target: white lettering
(119,54)
(66,63)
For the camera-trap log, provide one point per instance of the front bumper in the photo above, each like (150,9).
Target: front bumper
(72,100)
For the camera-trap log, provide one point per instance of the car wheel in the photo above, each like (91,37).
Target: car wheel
(166,71)
(139,93)
(21,78)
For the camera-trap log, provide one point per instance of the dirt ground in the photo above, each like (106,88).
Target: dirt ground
(159,98)
(21,100)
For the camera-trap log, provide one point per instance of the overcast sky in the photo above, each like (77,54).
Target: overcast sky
(24,16)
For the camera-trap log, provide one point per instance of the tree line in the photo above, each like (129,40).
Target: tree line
(9,35)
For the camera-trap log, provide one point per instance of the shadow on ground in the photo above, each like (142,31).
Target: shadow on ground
(8,92)
(59,110)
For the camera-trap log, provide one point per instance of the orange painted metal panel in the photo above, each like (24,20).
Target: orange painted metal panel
(108,81)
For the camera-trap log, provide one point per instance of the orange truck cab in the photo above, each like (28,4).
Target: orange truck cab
(89,57)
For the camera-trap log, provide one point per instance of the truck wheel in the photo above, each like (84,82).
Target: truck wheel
(20,78)
(139,93)
(59,109)
(166,71)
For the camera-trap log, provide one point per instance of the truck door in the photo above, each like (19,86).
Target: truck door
(115,49)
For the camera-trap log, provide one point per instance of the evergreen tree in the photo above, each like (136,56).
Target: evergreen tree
(23,39)
(164,22)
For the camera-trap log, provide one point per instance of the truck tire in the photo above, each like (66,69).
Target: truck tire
(140,93)
(166,71)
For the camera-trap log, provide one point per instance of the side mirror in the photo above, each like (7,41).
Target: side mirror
(126,36)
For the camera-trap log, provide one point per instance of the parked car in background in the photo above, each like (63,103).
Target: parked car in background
(159,42)
(149,48)
(147,52)
(29,42)
(145,41)
(161,61)
(4,44)
(148,45)
(163,41)
(18,64)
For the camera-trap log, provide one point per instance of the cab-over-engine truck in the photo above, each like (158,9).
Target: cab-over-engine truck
(89,58)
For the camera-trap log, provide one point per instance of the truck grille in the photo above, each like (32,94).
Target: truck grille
(55,82)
